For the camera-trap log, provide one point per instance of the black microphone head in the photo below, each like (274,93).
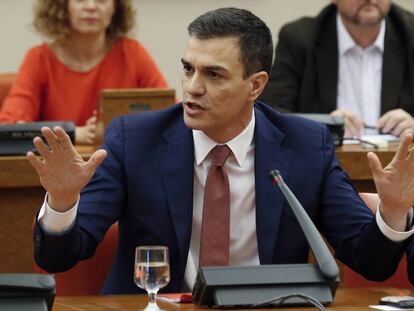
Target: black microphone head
(275,175)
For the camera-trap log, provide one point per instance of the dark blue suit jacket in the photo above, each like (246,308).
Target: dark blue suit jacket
(146,184)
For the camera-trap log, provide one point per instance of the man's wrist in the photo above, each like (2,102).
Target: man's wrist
(396,221)
(390,233)
(55,222)
(61,204)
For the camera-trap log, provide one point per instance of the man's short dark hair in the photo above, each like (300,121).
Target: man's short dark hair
(256,46)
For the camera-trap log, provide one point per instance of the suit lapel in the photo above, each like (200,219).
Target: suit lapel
(393,69)
(269,155)
(177,169)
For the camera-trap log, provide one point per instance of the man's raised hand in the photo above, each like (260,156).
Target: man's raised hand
(62,171)
(395,183)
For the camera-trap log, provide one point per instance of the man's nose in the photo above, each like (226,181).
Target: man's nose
(195,85)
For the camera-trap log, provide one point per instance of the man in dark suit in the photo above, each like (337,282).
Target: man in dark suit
(150,175)
(355,59)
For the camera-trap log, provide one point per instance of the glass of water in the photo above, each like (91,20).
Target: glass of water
(152,271)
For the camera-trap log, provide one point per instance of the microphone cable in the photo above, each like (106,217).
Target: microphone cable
(279,301)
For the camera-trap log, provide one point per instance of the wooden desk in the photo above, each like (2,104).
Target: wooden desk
(21,195)
(16,172)
(353,159)
(20,198)
(345,300)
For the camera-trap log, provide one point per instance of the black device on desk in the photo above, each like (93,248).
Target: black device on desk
(403,302)
(17,139)
(335,124)
(273,285)
(26,292)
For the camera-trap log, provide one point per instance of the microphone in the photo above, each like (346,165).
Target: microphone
(273,285)
(323,256)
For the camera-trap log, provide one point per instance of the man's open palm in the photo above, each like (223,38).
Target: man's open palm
(62,172)
(395,182)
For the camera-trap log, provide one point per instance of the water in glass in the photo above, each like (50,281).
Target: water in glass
(152,271)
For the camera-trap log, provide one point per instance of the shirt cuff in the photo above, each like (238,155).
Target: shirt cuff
(396,236)
(55,222)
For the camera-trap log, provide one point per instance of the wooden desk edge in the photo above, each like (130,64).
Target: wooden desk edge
(17,172)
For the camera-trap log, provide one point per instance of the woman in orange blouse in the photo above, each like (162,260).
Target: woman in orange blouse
(88,51)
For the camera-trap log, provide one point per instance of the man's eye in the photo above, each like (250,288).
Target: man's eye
(213,75)
(187,69)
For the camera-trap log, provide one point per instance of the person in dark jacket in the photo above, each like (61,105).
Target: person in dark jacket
(355,59)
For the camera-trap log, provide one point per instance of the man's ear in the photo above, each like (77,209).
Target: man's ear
(258,81)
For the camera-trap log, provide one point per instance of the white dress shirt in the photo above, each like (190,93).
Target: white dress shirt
(360,75)
(240,170)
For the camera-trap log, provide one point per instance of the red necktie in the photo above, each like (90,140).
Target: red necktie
(215,227)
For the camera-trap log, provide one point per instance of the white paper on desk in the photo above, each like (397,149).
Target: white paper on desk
(389,308)
(386,137)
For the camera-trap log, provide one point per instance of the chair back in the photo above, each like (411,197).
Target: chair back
(88,276)
(400,277)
